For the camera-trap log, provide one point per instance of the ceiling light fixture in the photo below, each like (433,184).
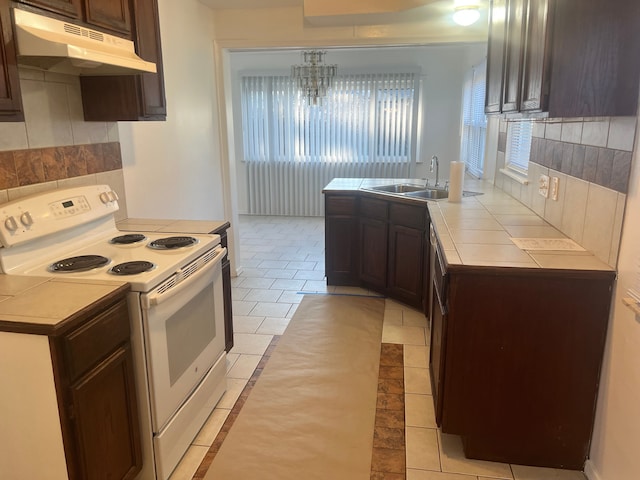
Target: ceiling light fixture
(466,15)
(314,78)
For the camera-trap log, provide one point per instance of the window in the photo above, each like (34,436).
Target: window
(474,121)
(518,146)
(364,118)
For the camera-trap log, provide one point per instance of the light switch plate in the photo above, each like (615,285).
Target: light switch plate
(555,185)
(543,186)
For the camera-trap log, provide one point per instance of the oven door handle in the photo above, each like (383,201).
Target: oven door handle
(156,298)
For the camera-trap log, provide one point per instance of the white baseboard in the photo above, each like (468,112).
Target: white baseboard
(590,471)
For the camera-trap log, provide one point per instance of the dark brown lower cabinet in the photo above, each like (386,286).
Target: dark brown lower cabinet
(94,376)
(515,361)
(342,254)
(378,243)
(226,287)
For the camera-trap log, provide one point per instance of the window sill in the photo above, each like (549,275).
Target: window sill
(517,177)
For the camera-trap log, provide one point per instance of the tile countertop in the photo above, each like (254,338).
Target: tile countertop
(477,231)
(45,302)
(169,226)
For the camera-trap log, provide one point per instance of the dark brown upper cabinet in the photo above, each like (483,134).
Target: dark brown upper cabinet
(131,97)
(112,15)
(10,99)
(68,8)
(569,58)
(495,56)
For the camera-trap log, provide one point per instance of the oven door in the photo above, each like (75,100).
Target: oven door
(183,321)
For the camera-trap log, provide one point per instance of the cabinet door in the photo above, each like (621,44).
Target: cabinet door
(436,352)
(535,62)
(109,14)
(373,252)
(147,36)
(406,250)
(513,55)
(10,100)
(106,420)
(495,56)
(341,250)
(68,8)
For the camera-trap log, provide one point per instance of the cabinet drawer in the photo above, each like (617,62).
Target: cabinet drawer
(340,205)
(408,216)
(372,208)
(93,341)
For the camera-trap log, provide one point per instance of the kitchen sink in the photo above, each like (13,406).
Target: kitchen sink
(397,188)
(430,193)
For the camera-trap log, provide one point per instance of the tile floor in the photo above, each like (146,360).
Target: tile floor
(283,256)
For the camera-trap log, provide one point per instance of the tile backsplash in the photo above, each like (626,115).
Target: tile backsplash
(592,159)
(54,147)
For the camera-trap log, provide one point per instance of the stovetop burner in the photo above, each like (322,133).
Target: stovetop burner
(79,264)
(132,268)
(128,239)
(169,243)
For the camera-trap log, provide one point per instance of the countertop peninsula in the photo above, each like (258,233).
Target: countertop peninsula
(478,230)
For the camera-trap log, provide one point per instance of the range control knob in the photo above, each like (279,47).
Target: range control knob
(11,224)
(26,219)
(104,197)
(112,195)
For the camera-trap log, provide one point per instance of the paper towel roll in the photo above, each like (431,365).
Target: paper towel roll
(456,178)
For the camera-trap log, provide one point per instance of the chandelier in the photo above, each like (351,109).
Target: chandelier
(314,78)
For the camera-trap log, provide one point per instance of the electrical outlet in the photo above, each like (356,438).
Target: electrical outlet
(555,186)
(543,186)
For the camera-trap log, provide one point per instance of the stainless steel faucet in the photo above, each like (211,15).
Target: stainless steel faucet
(434,159)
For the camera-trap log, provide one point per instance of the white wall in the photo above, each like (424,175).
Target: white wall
(172,169)
(616,440)
(442,73)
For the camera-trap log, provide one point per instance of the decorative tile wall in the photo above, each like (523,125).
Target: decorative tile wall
(54,147)
(592,159)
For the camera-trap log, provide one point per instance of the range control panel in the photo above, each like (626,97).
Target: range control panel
(33,217)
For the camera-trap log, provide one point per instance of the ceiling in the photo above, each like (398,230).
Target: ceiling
(327,13)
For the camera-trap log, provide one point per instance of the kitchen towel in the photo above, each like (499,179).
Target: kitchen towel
(311,413)
(456,178)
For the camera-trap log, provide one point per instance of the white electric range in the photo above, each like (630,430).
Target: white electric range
(176,303)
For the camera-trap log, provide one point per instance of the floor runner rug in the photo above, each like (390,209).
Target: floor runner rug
(311,413)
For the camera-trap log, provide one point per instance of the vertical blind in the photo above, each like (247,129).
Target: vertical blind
(364,128)
(363,118)
(474,121)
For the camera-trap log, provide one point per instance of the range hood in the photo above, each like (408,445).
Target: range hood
(63,47)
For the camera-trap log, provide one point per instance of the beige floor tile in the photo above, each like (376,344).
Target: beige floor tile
(231,360)
(246,324)
(428,475)
(274,326)
(263,295)
(521,472)
(416,356)
(453,460)
(234,389)
(189,463)
(419,411)
(270,309)
(292,310)
(252,344)
(238,293)
(393,317)
(212,426)
(422,448)
(244,366)
(290,296)
(404,335)
(242,308)
(417,380)
(413,318)
(317,286)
